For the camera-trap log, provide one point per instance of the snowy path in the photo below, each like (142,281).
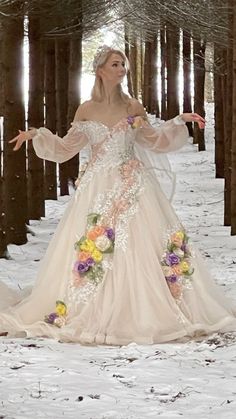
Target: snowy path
(46,379)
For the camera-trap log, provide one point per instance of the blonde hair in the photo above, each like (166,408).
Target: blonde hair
(98,93)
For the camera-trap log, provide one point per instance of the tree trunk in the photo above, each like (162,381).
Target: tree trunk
(233,144)
(74,94)
(133,58)
(1,78)
(14,164)
(62,63)
(146,80)
(153,93)
(131,52)
(36,207)
(142,56)
(187,105)
(224,87)
(128,54)
(172,60)
(50,180)
(228,132)
(3,238)
(219,116)
(138,47)
(163,75)
(199,84)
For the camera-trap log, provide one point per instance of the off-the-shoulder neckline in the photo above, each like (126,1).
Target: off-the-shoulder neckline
(104,125)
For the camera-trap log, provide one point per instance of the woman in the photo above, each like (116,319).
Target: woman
(119,267)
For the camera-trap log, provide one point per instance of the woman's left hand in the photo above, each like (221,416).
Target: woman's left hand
(194,117)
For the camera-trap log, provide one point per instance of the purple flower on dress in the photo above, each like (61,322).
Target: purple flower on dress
(110,233)
(172,278)
(172,259)
(130,120)
(184,247)
(51,318)
(81,267)
(90,262)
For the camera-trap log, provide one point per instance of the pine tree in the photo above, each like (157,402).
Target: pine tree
(35,119)
(172,62)
(199,47)
(50,180)
(14,164)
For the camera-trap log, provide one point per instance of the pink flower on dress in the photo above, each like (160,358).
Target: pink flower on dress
(176,289)
(78,281)
(121,125)
(83,256)
(130,166)
(177,270)
(95,232)
(129,182)
(121,205)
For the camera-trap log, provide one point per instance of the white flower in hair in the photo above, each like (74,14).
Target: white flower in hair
(101,51)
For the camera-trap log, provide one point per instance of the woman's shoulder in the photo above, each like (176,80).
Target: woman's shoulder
(82,111)
(136,108)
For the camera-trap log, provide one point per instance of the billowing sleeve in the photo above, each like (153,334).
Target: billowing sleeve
(51,147)
(169,136)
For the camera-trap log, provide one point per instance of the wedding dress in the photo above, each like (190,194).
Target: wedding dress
(119,268)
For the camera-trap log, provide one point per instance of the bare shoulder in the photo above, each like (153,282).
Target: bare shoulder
(136,108)
(83,110)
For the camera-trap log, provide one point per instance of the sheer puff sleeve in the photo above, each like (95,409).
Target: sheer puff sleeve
(169,136)
(51,147)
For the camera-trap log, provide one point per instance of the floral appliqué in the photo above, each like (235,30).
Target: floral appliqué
(129,171)
(136,121)
(57,317)
(176,264)
(91,250)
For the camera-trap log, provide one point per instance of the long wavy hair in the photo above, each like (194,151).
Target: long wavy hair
(98,92)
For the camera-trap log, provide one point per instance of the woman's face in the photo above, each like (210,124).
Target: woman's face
(113,70)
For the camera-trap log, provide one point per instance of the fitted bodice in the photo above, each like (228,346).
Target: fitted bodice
(121,133)
(109,147)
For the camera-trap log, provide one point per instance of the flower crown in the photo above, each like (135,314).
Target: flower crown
(101,51)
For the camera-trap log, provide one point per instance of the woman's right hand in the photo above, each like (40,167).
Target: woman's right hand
(22,137)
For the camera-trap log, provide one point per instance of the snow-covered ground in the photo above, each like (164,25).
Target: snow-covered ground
(42,378)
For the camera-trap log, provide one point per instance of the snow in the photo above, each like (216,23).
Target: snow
(42,378)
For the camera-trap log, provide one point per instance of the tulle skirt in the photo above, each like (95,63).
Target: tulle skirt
(134,301)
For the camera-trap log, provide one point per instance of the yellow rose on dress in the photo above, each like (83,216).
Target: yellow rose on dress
(97,255)
(87,246)
(184,266)
(177,241)
(138,122)
(60,308)
(180,234)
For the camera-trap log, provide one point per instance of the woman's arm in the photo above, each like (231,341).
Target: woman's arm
(50,146)
(169,136)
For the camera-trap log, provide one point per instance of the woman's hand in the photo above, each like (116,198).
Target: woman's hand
(22,137)
(194,117)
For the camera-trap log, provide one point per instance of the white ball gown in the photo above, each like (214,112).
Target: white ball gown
(119,267)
